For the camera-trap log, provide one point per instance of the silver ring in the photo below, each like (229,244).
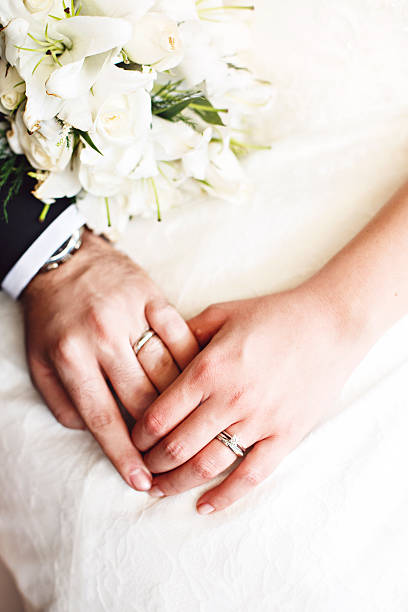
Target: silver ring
(232,442)
(144,338)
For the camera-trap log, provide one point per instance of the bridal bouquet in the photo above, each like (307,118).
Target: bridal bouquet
(130,106)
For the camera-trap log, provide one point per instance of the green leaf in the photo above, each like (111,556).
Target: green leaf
(85,136)
(13,169)
(170,112)
(204,109)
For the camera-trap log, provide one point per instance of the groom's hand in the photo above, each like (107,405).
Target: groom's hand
(82,321)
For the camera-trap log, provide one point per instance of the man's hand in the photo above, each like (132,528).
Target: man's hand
(82,321)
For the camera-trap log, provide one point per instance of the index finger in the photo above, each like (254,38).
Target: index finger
(91,396)
(170,408)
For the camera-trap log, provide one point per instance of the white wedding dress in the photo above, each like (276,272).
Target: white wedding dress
(327,532)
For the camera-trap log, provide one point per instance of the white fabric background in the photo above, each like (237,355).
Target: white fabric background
(327,531)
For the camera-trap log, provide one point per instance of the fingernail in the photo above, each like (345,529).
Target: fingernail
(75,422)
(156,491)
(141,479)
(205,509)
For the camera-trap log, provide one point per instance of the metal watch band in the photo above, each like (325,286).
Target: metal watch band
(65,252)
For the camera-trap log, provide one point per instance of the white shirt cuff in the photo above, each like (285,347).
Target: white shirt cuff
(41,250)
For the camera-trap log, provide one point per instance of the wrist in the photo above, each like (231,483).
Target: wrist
(352,321)
(92,247)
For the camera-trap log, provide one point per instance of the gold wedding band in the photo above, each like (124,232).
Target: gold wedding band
(144,338)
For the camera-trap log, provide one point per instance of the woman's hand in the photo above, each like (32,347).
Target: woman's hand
(82,321)
(272,369)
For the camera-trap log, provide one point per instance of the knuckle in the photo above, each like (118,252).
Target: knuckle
(99,420)
(174,450)
(156,310)
(204,469)
(152,424)
(65,349)
(251,478)
(213,310)
(203,369)
(98,320)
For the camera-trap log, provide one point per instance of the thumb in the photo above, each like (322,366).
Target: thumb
(205,325)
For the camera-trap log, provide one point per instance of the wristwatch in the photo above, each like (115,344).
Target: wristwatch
(65,252)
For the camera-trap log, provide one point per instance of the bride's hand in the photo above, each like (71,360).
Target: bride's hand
(271,370)
(82,322)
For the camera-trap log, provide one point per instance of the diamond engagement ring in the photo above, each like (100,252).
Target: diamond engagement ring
(232,442)
(144,338)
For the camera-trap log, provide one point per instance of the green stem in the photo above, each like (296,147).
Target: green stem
(156,197)
(208,109)
(253,147)
(108,212)
(214,9)
(44,213)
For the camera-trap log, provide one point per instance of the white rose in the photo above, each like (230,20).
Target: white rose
(155,41)
(11,99)
(124,118)
(121,130)
(38,6)
(99,181)
(12,91)
(49,148)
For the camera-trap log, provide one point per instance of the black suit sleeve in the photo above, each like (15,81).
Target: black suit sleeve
(23,227)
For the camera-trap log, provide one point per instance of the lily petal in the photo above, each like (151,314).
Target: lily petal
(92,35)
(123,8)
(76,79)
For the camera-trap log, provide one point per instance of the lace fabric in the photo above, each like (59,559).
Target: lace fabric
(327,531)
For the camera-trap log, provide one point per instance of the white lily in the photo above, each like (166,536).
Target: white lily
(178,10)
(244,94)
(54,185)
(196,162)
(197,43)
(173,141)
(221,11)
(225,177)
(124,8)
(65,60)
(154,196)
(104,215)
